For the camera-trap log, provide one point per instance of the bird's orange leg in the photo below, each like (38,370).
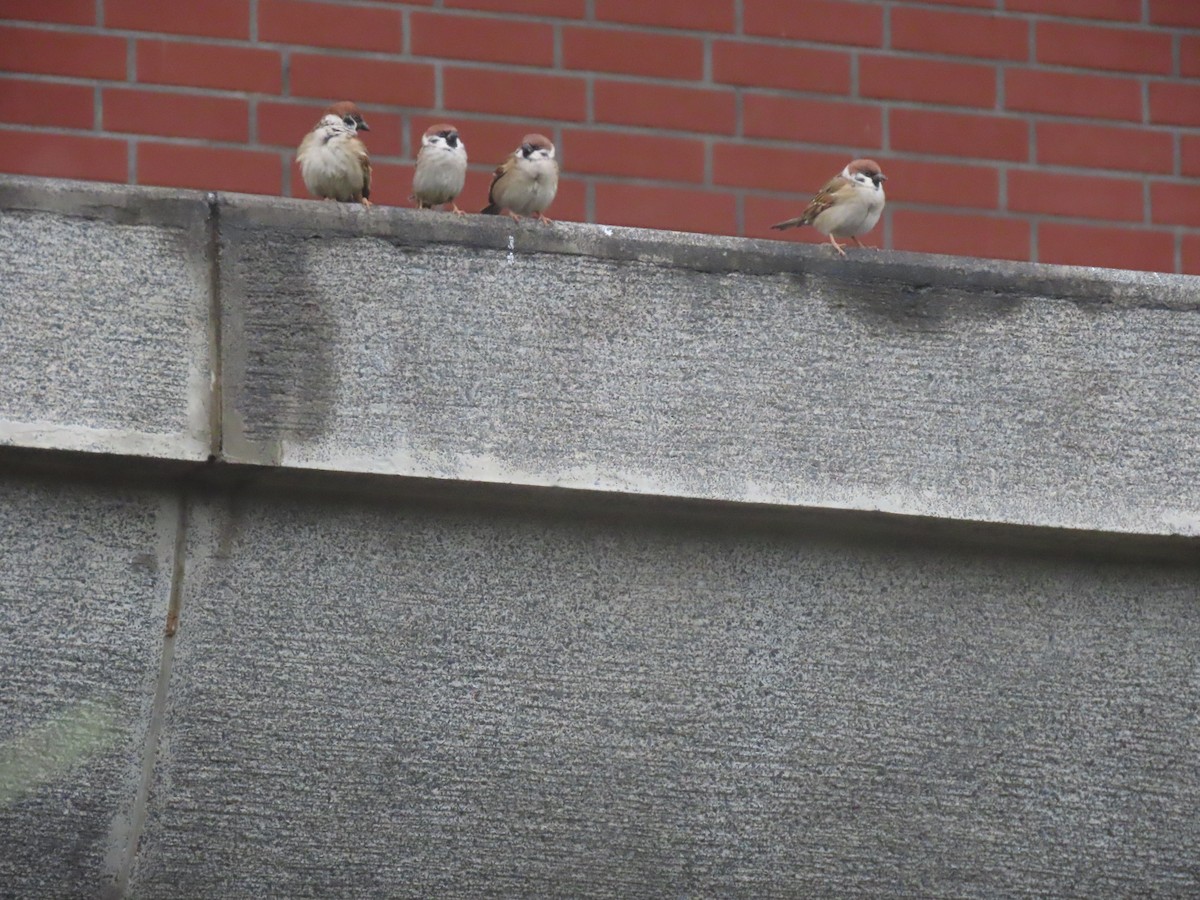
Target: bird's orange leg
(542,218)
(861,245)
(456,210)
(512,215)
(836,245)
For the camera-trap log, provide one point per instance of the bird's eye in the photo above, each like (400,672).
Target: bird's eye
(349,120)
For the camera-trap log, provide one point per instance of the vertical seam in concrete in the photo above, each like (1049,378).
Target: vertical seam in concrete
(216,397)
(158,711)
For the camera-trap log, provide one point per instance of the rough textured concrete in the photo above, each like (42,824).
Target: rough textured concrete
(406,665)
(84,580)
(104,319)
(389,699)
(691,366)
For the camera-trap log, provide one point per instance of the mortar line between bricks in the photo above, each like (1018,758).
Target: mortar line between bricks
(254,21)
(99,13)
(158,710)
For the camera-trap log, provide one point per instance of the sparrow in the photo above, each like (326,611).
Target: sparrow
(849,205)
(441,168)
(526,182)
(333,161)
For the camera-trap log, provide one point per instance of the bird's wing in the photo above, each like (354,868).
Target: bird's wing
(501,170)
(837,188)
(364,160)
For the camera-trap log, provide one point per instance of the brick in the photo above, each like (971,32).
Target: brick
(1172,203)
(566,9)
(285,124)
(707,212)
(943,184)
(488,141)
(1191,254)
(1105,147)
(1067,94)
(64,12)
(1110,49)
(209,65)
(959,33)
(362,80)
(330,25)
(634,53)
(1117,248)
(482,39)
(209,168)
(791,68)
(1191,155)
(1173,103)
(46,103)
(633,155)
(63,156)
(1115,10)
(62,53)
(774,168)
(988,237)
(659,106)
(1189,56)
(219,18)
(701,15)
(812,121)
(959,134)
(514,94)
(926,81)
(1175,12)
(176,115)
(820,21)
(1118,199)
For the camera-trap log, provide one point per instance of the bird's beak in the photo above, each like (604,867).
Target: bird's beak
(880,177)
(363,126)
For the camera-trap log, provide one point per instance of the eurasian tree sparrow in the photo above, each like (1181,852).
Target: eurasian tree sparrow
(441,168)
(526,182)
(333,161)
(849,205)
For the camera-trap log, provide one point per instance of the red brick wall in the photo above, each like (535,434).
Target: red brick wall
(1054,130)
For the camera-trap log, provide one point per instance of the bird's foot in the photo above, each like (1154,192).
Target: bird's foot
(837,246)
(512,215)
(542,218)
(454,209)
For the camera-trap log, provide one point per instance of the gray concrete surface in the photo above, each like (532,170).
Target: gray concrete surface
(104,319)
(389,699)
(550,561)
(85,576)
(683,365)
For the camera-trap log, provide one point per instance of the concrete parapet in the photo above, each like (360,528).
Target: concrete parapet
(360,553)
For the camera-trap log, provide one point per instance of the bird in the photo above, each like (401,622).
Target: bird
(526,182)
(849,205)
(333,161)
(441,168)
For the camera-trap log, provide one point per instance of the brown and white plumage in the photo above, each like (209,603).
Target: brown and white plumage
(333,161)
(526,182)
(848,205)
(441,168)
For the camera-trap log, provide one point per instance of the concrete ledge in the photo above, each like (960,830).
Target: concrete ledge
(423,345)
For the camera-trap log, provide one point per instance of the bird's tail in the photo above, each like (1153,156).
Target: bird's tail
(490,210)
(790,223)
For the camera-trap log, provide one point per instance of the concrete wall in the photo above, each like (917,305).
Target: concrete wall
(351,553)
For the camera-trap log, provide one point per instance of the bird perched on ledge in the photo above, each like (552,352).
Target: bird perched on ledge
(849,205)
(333,161)
(526,182)
(441,168)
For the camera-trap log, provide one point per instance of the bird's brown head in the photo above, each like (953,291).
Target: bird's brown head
(868,169)
(536,146)
(347,111)
(442,132)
